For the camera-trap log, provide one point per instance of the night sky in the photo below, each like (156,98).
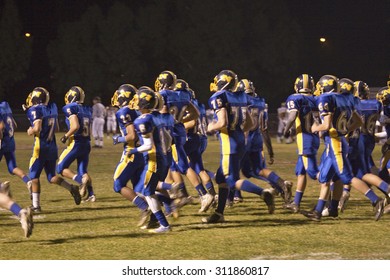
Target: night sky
(357,46)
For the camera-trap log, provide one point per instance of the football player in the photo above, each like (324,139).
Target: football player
(7,129)
(155,144)
(232,120)
(43,118)
(179,105)
(24,215)
(303,111)
(128,168)
(196,138)
(339,117)
(362,141)
(78,139)
(253,163)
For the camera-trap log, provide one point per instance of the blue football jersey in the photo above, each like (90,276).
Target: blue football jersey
(8,141)
(125,117)
(369,110)
(45,142)
(84,115)
(256,108)
(232,137)
(306,108)
(341,107)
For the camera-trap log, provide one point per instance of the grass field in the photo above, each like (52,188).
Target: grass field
(106,229)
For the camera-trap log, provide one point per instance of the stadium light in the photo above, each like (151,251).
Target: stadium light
(27,35)
(322,40)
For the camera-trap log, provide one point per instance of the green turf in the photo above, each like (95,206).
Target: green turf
(107,228)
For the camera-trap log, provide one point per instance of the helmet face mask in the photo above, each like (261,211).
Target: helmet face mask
(75,94)
(304,84)
(225,80)
(166,80)
(123,96)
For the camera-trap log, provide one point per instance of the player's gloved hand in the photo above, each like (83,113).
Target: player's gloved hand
(118,139)
(64,139)
(271,160)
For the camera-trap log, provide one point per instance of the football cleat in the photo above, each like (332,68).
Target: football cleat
(91,198)
(268,198)
(5,188)
(293,207)
(214,218)
(36,210)
(160,229)
(304,84)
(379,208)
(76,194)
(343,201)
(26,220)
(144,216)
(84,185)
(312,215)
(206,201)
(287,191)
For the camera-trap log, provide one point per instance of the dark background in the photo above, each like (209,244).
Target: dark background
(102,44)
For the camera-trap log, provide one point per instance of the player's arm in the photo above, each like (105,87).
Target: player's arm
(192,113)
(292,115)
(2,126)
(249,123)
(324,126)
(220,123)
(189,124)
(146,146)
(36,128)
(74,125)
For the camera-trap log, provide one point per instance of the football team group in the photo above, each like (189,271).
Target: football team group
(164,134)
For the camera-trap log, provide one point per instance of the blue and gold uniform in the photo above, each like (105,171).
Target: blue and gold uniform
(336,162)
(79,144)
(361,153)
(197,139)
(8,142)
(156,163)
(307,143)
(177,102)
(253,161)
(231,137)
(128,168)
(45,151)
